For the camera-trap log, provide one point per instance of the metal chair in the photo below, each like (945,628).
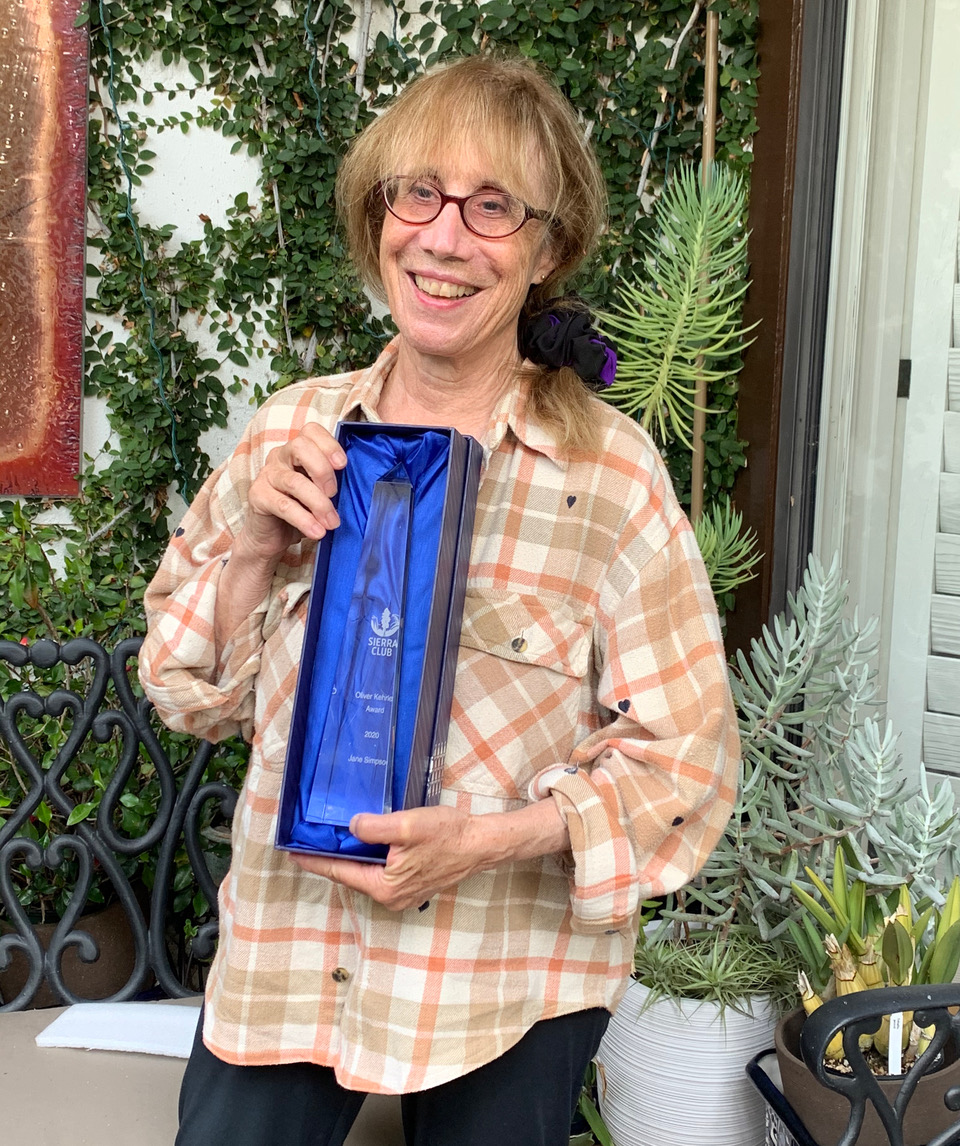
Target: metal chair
(936,1071)
(96,715)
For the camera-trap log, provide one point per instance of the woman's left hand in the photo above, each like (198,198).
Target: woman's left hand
(434,848)
(430,849)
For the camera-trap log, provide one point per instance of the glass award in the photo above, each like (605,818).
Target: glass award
(354,771)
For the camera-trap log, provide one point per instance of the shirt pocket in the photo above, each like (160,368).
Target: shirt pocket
(519,691)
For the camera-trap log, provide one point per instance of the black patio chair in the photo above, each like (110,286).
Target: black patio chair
(931,1087)
(95,715)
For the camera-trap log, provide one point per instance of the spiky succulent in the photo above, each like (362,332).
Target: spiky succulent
(683,318)
(819,772)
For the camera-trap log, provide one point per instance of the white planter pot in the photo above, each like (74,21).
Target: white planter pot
(674,1076)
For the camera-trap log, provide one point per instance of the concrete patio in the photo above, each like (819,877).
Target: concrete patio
(54,1096)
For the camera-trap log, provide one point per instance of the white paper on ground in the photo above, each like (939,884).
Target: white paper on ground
(149,1028)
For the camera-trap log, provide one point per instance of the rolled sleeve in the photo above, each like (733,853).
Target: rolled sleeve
(193,688)
(646,797)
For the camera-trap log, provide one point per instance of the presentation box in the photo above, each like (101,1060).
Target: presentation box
(375,684)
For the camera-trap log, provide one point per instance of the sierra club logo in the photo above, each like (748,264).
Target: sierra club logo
(385,626)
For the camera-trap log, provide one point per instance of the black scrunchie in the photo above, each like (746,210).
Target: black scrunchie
(562,335)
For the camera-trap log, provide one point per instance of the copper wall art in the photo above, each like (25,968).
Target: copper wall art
(43,124)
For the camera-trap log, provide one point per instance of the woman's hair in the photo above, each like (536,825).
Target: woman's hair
(511,115)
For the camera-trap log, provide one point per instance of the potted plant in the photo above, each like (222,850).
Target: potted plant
(818,774)
(680,1038)
(818,771)
(679,329)
(853,938)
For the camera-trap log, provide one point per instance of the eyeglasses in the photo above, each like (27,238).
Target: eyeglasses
(489,214)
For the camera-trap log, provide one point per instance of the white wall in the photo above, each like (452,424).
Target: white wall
(929,326)
(875,226)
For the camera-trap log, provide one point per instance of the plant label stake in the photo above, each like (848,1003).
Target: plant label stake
(895,1049)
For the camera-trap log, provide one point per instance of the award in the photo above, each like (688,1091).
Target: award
(354,771)
(382,632)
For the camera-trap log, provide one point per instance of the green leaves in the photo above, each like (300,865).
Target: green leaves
(79,813)
(588,1108)
(729,967)
(728,553)
(819,783)
(80,789)
(944,957)
(681,321)
(898,952)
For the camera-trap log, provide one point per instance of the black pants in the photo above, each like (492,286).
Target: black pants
(524,1098)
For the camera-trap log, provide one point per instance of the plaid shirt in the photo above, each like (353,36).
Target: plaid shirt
(591,671)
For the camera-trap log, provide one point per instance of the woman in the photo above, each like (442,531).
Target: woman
(592,747)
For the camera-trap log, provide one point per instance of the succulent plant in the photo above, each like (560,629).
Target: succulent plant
(820,785)
(874,940)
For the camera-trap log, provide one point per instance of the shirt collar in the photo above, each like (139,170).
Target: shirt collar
(510,415)
(364,395)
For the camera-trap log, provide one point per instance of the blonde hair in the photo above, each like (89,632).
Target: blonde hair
(530,135)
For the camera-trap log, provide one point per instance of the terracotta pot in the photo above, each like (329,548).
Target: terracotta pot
(111,932)
(825,1112)
(673,1074)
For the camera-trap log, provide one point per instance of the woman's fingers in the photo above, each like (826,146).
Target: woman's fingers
(294,491)
(289,499)
(429,849)
(317,454)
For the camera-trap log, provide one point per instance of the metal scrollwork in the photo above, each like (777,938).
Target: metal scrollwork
(860,1014)
(97,848)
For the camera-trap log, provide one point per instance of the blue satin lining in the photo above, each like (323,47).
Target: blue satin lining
(423,454)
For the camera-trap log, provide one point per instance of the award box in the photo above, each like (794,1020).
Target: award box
(379,657)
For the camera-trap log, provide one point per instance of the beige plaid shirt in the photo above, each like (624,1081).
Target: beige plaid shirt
(591,671)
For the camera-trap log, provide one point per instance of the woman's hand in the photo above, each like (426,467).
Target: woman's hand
(430,849)
(289,499)
(292,495)
(435,848)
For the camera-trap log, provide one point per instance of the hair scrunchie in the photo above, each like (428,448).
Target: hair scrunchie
(562,335)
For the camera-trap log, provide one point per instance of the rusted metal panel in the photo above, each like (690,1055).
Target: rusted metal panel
(43,126)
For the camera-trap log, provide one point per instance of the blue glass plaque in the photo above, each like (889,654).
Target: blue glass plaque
(354,769)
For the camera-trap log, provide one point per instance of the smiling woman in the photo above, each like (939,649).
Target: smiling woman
(592,745)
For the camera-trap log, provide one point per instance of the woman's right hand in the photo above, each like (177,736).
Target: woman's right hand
(292,496)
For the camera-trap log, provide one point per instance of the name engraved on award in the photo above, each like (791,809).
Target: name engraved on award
(354,770)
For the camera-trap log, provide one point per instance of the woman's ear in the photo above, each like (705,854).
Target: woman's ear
(544,267)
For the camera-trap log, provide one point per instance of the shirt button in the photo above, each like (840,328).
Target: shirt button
(518,644)
(340,974)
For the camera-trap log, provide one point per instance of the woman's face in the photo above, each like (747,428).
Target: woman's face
(453,294)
